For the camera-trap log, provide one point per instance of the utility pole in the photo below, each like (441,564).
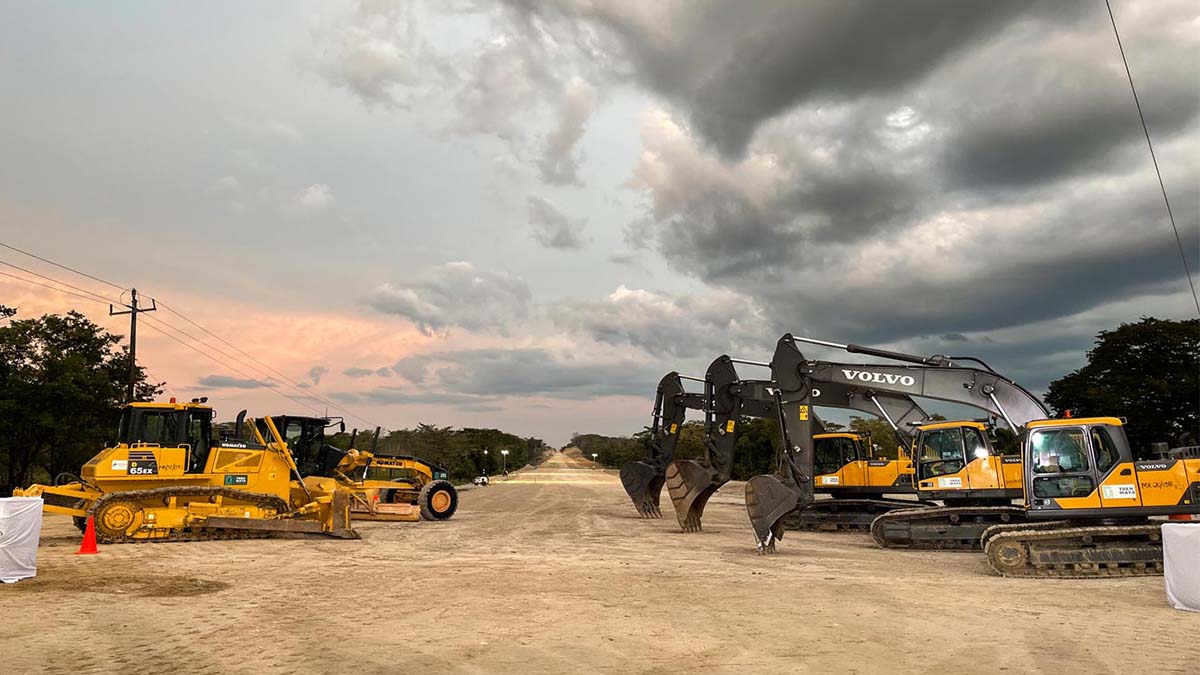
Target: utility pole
(133,310)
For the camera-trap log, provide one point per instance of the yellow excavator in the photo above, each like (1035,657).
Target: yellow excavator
(381,487)
(1089,504)
(167,479)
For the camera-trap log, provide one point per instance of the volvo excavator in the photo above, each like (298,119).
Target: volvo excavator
(858,488)
(974,485)
(643,478)
(1088,502)
(167,479)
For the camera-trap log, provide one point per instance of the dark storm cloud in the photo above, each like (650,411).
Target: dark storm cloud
(456,294)
(735,65)
(523,372)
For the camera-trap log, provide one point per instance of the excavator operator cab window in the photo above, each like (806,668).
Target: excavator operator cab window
(974,444)
(941,452)
(1106,451)
(1060,463)
(831,454)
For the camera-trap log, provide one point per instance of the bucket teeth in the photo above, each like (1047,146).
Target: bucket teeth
(643,483)
(690,485)
(768,500)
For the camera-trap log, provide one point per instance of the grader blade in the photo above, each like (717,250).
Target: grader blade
(690,485)
(643,483)
(768,500)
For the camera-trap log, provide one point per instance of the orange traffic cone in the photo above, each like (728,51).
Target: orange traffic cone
(88,546)
(1181,516)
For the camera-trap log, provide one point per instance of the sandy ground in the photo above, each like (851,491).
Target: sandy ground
(552,572)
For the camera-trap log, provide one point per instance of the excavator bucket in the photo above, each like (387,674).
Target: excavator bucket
(690,485)
(768,500)
(643,482)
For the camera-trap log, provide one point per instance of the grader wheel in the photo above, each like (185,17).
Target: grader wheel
(438,500)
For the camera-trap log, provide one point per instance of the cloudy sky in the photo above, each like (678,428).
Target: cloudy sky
(520,214)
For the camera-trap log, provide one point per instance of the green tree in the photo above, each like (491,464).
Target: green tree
(881,435)
(1147,372)
(62,383)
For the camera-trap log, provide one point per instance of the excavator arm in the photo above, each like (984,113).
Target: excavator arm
(643,478)
(691,483)
(802,382)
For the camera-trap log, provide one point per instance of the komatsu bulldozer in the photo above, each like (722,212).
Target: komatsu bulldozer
(381,487)
(167,479)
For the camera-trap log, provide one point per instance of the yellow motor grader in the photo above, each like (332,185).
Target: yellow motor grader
(381,487)
(167,479)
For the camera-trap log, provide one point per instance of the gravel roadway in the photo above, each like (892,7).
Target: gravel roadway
(551,571)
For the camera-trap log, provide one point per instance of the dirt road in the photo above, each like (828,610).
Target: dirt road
(552,572)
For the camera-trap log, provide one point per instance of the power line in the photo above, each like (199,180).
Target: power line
(262,367)
(97,296)
(1146,130)
(235,359)
(237,370)
(60,266)
(53,288)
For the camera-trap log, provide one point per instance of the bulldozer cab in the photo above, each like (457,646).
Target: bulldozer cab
(170,425)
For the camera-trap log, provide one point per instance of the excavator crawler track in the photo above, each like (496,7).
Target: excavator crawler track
(136,500)
(1077,552)
(941,527)
(843,515)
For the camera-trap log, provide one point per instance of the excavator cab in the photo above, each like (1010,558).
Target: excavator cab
(957,460)
(832,452)
(1084,467)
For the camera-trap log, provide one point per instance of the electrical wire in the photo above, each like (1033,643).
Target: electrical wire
(53,288)
(1153,158)
(262,367)
(61,266)
(85,294)
(43,276)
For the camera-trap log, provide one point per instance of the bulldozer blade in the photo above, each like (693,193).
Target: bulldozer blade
(643,482)
(768,500)
(690,485)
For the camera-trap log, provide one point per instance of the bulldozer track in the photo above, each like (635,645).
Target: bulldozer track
(943,527)
(843,515)
(192,533)
(1090,552)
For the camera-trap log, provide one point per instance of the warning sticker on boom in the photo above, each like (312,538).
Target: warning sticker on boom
(803,413)
(1124,491)
(729,426)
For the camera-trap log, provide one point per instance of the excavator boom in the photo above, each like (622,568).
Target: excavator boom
(643,479)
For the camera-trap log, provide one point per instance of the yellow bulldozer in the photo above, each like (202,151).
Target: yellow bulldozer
(167,479)
(381,487)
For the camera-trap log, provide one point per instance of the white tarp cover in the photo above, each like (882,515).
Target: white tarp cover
(20,530)
(1181,564)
